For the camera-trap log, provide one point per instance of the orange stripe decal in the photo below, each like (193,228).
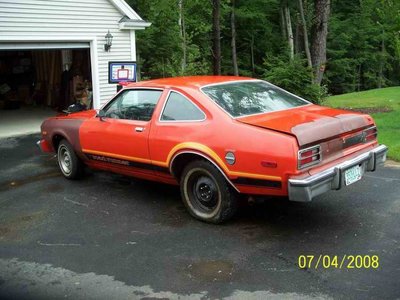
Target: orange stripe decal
(206,150)
(188,146)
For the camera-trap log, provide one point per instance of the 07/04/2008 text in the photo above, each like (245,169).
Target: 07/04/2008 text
(338,261)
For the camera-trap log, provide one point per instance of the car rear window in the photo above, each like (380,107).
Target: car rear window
(246,98)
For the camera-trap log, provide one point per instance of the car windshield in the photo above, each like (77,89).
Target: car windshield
(251,97)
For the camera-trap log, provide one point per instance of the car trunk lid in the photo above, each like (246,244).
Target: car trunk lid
(311,123)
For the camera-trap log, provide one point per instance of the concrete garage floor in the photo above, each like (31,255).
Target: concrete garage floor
(26,120)
(111,237)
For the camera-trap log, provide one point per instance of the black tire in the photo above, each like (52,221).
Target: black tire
(70,164)
(206,193)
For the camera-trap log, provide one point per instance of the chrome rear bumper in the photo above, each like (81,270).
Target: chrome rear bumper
(304,190)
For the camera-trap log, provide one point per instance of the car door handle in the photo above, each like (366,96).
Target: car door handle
(139,129)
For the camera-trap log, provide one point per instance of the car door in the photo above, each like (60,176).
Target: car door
(119,139)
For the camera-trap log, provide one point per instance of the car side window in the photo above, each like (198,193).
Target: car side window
(133,105)
(179,108)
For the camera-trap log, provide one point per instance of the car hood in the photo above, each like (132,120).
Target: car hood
(310,123)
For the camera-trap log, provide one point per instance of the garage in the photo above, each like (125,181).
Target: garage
(54,77)
(57,53)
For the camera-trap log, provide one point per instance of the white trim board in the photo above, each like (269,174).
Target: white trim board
(125,9)
(43,45)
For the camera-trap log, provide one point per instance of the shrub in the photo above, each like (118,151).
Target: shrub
(295,77)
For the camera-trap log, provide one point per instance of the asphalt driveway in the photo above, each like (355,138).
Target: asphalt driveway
(112,237)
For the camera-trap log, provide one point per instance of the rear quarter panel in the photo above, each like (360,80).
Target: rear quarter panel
(219,134)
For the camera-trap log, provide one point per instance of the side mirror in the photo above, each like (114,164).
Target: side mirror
(101,114)
(77,107)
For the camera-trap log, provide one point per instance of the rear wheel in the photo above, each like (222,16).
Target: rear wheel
(206,193)
(69,163)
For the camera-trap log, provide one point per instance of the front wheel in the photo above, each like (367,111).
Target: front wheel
(69,163)
(206,193)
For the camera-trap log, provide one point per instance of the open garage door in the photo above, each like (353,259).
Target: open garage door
(40,79)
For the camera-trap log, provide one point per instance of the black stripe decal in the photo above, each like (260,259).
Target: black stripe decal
(146,166)
(128,163)
(258,182)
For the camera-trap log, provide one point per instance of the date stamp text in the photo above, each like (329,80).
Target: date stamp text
(338,261)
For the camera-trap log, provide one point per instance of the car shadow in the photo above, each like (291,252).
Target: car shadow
(270,212)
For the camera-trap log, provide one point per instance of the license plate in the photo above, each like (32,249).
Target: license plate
(352,175)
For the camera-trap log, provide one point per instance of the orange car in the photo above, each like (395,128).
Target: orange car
(218,137)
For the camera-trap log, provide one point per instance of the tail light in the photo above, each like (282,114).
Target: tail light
(370,134)
(309,157)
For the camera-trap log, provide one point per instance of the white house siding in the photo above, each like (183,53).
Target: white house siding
(70,20)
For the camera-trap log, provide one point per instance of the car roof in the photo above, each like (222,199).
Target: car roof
(187,81)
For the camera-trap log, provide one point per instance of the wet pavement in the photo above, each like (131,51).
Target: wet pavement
(108,236)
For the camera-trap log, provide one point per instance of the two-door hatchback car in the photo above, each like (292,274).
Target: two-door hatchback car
(218,137)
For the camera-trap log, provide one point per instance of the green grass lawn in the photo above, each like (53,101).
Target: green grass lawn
(388,122)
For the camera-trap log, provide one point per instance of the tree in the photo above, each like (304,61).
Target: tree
(216,37)
(320,32)
(288,25)
(233,41)
(183,35)
(357,59)
(256,38)
(257,34)
(175,44)
(305,34)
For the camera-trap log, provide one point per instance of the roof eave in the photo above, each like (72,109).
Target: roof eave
(134,25)
(125,9)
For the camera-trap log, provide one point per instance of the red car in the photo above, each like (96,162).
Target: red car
(218,137)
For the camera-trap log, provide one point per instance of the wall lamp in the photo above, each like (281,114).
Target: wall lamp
(108,44)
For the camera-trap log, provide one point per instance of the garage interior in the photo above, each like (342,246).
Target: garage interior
(36,84)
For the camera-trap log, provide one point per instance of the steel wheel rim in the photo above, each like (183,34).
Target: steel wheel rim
(203,191)
(64,158)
